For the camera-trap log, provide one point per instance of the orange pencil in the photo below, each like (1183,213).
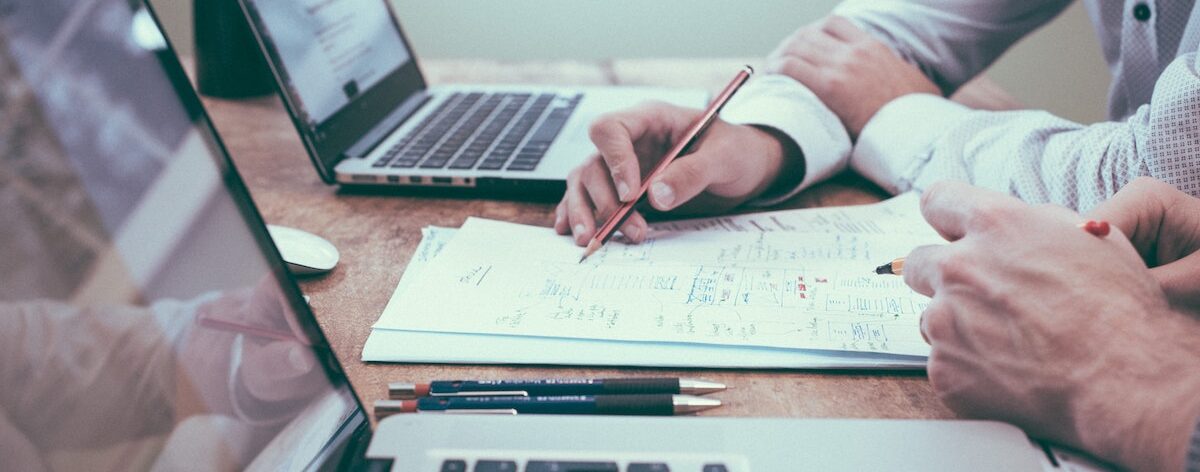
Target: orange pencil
(609,228)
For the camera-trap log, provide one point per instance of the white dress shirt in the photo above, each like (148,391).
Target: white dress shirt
(1150,46)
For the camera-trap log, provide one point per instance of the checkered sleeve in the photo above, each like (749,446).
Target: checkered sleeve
(920,139)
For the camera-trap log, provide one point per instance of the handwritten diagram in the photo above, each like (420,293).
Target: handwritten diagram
(785,289)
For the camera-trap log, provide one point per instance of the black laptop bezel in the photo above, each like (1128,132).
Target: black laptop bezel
(328,142)
(356,424)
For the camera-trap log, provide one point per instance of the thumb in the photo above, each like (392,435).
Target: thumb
(1178,281)
(281,370)
(681,181)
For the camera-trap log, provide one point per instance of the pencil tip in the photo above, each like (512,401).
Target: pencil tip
(591,248)
(884,269)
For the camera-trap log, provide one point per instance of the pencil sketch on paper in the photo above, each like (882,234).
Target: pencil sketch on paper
(807,285)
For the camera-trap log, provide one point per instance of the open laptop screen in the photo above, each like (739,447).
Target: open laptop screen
(146,322)
(342,67)
(333,50)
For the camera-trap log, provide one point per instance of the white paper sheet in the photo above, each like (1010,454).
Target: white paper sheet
(809,288)
(386,345)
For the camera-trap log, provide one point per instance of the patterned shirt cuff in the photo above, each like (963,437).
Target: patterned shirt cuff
(895,144)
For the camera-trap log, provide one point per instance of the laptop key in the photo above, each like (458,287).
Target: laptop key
(493,163)
(454,465)
(465,161)
(495,466)
(647,467)
(565,466)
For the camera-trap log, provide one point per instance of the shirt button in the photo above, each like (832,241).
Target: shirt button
(1141,12)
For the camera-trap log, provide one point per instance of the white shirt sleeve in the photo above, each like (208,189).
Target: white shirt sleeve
(781,103)
(951,41)
(920,139)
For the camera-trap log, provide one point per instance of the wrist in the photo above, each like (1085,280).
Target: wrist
(1149,424)
(783,163)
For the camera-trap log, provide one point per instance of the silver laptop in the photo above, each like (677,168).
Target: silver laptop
(148,323)
(351,82)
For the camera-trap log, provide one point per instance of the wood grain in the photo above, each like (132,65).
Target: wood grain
(378,234)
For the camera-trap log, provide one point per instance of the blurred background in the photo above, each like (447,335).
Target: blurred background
(1059,68)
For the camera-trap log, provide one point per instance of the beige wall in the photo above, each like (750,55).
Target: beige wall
(1059,68)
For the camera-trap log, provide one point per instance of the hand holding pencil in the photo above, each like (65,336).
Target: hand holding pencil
(686,143)
(731,164)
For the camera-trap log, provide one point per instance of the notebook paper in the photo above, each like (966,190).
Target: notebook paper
(391,345)
(807,285)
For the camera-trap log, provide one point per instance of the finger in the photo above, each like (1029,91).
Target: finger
(267,308)
(682,180)
(1162,222)
(1137,211)
(280,371)
(797,68)
(615,134)
(921,326)
(937,322)
(956,208)
(600,190)
(818,47)
(1178,281)
(844,30)
(922,269)
(580,212)
(635,228)
(561,225)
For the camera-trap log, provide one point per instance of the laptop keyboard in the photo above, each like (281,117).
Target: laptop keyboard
(459,465)
(486,131)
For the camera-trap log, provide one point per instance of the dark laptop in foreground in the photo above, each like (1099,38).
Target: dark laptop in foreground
(367,116)
(148,323)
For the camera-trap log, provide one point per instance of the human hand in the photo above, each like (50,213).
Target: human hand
(1163,223)
(276,371)
(1038,323)
(854,74)
(730,165)
(274,368)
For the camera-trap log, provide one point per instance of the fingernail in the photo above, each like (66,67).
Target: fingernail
(298,358)
(633,233)
(663,194)
(623,191)
(579,230)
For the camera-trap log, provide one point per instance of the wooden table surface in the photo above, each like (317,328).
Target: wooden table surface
(378,234)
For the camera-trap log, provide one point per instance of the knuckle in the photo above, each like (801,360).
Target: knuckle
(955,267)
(991,216)
(937,372)
(603,127)
(790,66)
(690,173)
(933,192)
(937,323)
(834,81)
(860,52)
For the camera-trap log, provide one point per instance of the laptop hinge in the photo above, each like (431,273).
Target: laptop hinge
(387,125)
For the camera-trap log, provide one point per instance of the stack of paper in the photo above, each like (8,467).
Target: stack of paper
(792,289)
